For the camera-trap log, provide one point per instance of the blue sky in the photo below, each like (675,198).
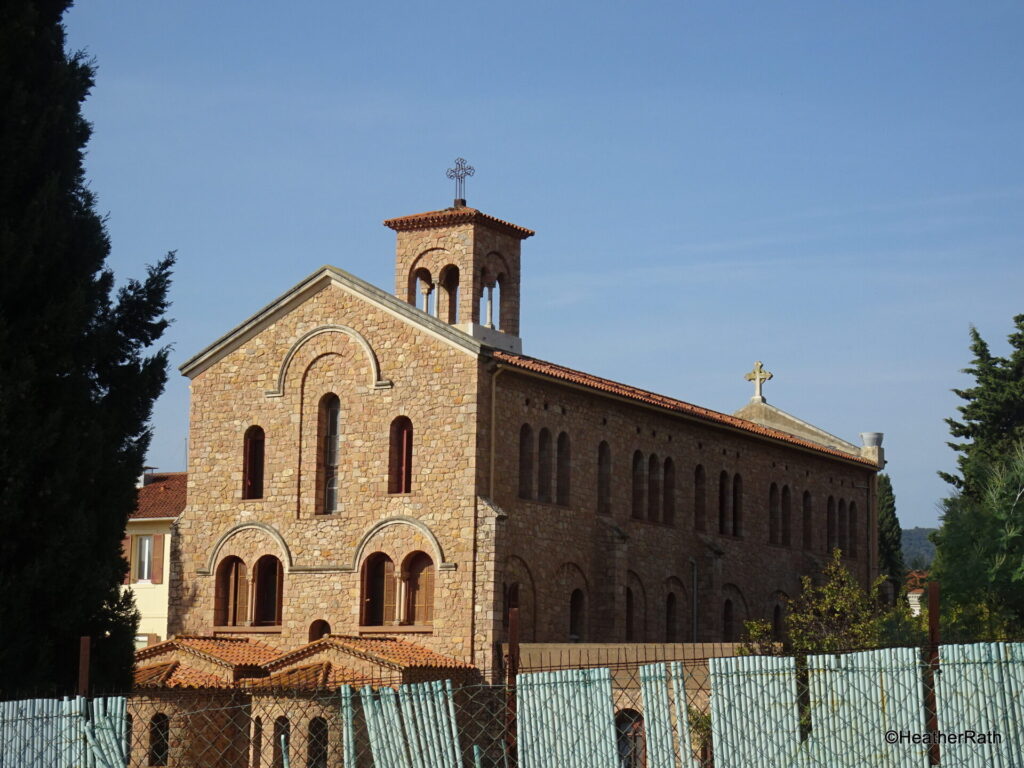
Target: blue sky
(832,188)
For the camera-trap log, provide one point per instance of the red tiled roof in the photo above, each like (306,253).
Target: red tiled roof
(387,651)
(162,496)
(226,651)
(679,406)
(311,676)
(450,216)
(174,674)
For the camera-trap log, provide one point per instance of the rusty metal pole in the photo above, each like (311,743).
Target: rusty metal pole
(83,665)
(934,639)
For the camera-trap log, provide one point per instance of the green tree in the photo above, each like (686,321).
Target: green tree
(890,535)
(77,384)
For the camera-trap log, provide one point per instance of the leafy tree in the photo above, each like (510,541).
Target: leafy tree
(76,382)
(992,416)
(890,535)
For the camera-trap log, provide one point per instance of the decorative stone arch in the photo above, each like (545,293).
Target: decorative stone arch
(270,531)
(376,381)
(420,526)
(674,586)
(740,612)
(518,572)
(570,579)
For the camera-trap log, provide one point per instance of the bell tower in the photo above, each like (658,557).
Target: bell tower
(463,267)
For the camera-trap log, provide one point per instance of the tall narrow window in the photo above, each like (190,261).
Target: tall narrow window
(630,607)
(604,479)
(671,619)
(257,742)
(843,527)
(282,737)
(668,490)
(787,515)
(774,513)
(737,505)
(653,488)
(700,497)
(419,589)
(159,739)
(327,453)
(231,593)
(777,623)
(831,542)
(544,466)
(564,470)
(525,462)
(268,576)
(577,616)
(853,530)
(316,748)
(638,485)
(143,558)
(728,631)
(400,457)
(723,503)
(449,279)
(252,463)
(378,590)
(808,510)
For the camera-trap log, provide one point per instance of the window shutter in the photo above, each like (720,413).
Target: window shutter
(126,550)
(240,614)
(156,574)
(389,593)
(425,596)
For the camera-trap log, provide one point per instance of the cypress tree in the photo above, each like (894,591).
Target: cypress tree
(890,535)
(77,384)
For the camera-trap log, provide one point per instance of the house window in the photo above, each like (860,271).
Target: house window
(159,739)
(671,619)
(282,737)
(668,490)
(231,593)
(449,280)
(604,479)
(853,530)
(378,590)
(728,631)
(268,578)
(419,588)
(316,749)
(525,462)
(630,607)
(638,485)
(808,511)
(831,542)
(577,617)
(654,499)
(400,459)
(319,629)
(737,505)
(787,515)
(252,461)
(843,527)
(723,503)
(773,514)
(700,495)
(544,466)
(328,425)
(143,558)
(564,470)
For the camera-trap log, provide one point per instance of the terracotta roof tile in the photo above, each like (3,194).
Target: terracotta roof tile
(227,651)
(173,674)
(679,406)
(387,651)
(450,216)
(311,676)
(162,496)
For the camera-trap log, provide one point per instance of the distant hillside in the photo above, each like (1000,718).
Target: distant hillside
(918,551)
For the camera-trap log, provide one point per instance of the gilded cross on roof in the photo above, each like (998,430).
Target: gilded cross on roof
(459,173)
(759,375)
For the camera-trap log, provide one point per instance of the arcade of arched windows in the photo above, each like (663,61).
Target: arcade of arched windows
(391,596)
(241,601)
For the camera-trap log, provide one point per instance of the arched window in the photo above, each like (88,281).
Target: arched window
(843,527)
(564,470)
(808,526)
(671,619)
(544,466)
(777,629)
(316,747)
(630,739)
(231,593)
(328,425)
(630,607)
(853,529)
(449,279)
(577,616)
(728,631)
(400,456)
(257,742)
(268,577)
(653,488)
(159,739)
(510,594)
(423,287)
(700,496)
(668,489)
(525,462)
(638,485)
(737,505)
(252,463)
(774,513)
(604,479)
(723,503)
(378,590)
(787,515)
(419,588)
(318,629)
(831,542)
(282,739)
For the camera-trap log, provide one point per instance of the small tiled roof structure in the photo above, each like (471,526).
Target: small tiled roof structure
(579,378)
(388,652)
(174,674)
(239,656)
(162,496)
(449,216)
(319,676)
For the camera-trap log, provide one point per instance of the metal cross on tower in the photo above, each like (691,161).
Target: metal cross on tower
(459,173)
(759,375)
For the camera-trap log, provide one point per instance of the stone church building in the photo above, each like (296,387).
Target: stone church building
(370,464)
